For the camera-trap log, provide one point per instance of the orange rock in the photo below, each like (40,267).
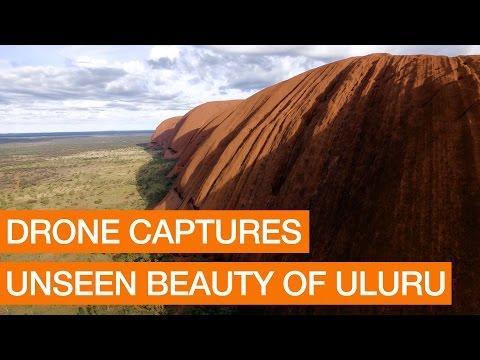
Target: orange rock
(165,132)
(383,150)
(175,134)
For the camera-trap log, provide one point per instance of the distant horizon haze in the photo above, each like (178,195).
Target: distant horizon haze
(77,132)
(58,135)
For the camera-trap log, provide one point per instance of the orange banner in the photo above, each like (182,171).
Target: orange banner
(154,231)
(226,283)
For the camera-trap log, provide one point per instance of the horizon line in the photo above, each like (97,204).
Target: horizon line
(74,132)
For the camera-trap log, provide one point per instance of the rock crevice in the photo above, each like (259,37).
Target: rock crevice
(383,150)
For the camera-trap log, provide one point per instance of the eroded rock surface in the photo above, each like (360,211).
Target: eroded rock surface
(383,150)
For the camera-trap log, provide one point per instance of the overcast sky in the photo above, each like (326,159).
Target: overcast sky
(89,88)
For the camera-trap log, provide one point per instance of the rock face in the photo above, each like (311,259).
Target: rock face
(165,132)
(383,150)
(175,134)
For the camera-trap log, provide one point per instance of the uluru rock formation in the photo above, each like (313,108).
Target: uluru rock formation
(175,134)
(165,132)
(383,150)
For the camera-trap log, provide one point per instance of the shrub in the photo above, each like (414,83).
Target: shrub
(152,181)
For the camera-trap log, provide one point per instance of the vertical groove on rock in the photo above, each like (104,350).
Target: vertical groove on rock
(383,150)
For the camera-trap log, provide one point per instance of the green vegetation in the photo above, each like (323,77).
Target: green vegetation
(74,173)
(153,182)
(107,172)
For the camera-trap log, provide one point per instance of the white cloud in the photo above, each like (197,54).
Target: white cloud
(74,88)
(164,51)
(343,51)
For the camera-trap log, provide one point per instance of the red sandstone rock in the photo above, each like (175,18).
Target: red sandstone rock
(177,133)
(165,132)
(383,150)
